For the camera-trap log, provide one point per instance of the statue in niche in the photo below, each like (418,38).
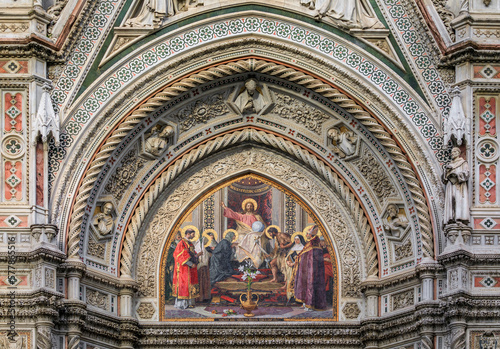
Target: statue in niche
(396,222)
(351,14)
(153,12)
(103,221)
(343,140)
(158,139)
(251,99)
(455,177)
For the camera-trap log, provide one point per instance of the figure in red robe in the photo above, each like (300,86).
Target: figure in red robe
(309,273)
(185,283)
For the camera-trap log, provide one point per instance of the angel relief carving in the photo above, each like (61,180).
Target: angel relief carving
(151,13)
(351,14)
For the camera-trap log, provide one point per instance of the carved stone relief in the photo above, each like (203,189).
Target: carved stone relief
(157,140)
(146,310)
(403,251)
(453,279)
(376,176)
(37,279)
(446,15)
(395,222)
(346,14)
(251,98)
(103,222)
(299,112)
(200,111)
(403,299)
(351,311)
(119,181)
(153,13)
(96,249)
(19,342)
(50,278)
(344,141)
(320,200)
(97,299)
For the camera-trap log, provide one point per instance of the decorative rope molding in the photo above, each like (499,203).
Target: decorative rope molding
(219,143)
(237,67)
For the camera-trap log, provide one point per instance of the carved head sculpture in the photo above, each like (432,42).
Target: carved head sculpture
(452,236)
(334,134)
(455,152)
(167,132)
(251,85)
(107,208)
(392,211)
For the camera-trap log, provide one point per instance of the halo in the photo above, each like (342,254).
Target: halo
(216,235)
(271,226)
(196,232)
(295,234)
(306,229)
(235,234)
(243,204)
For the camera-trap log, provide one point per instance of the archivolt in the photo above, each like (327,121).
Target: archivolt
(249,135)
(237,67)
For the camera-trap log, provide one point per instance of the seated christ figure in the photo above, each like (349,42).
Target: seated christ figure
(249,242)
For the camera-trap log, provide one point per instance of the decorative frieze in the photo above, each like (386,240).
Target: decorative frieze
(97,299)
(402,299)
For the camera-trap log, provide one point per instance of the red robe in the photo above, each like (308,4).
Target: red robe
(185,282)
(328,270)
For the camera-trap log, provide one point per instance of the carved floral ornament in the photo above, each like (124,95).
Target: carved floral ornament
(234,68)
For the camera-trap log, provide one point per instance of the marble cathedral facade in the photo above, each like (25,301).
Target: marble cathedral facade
(375,119)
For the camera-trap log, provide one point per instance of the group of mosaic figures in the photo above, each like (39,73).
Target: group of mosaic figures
(345,13)
(196,264)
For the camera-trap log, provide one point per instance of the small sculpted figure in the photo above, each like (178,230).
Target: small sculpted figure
(103,221)
(455,177)
(397,223)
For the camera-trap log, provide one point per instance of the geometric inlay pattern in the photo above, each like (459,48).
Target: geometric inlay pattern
(488,223)
(13,112)
(12,67)
(12,221)
(488,282)
(488,71)
(487,184)
(13,181)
